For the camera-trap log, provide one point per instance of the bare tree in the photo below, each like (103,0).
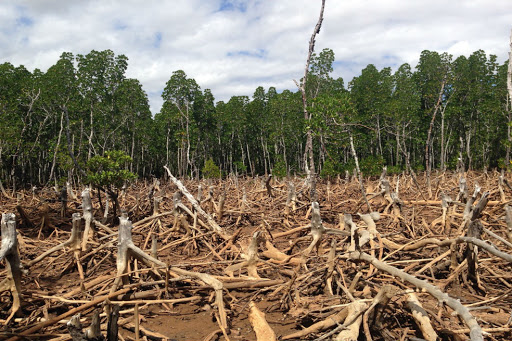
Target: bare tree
(509,88)
(308,153)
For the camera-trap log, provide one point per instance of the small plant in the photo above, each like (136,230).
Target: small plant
(279,169)
(395,169)
(240,167)
(210,169)
(372,165)
(108,173)
(328,170)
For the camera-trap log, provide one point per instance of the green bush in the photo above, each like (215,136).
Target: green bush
(328,170)
(395,169)
(109,171)
(279,169)
(372,165)
(210,169)
(240,167)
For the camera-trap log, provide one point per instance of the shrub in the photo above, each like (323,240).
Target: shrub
(395,170)
(108,173)
(210,169)
(372,165)
(279,169)
(328,170)
(240,167)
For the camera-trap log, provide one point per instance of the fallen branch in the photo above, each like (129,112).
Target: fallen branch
(461,310)
(213,224)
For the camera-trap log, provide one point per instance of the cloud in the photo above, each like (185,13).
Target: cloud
(234,46)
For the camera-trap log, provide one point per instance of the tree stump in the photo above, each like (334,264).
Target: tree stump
(9,251)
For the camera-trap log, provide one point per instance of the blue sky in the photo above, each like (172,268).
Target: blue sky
(234,46)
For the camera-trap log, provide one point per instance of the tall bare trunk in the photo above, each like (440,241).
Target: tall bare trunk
(307,115)
(428,146)
(509,88)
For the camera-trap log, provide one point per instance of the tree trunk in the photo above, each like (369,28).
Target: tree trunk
(428,147)
(509,88)
(307,116)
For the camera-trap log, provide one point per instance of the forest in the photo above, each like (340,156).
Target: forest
(446,113)
(231,233)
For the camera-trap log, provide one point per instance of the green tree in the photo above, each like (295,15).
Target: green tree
(179,95)
(108,173)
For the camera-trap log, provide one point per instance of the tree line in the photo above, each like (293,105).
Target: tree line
(444,113)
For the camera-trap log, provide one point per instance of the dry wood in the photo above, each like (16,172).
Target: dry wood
(68,313)
(126,250)
(462,311)
(293,294)
(73,242)
(354,318)
(9,251)
(87,213)
(327,323)
(212,223)
(421,317)
(260,324)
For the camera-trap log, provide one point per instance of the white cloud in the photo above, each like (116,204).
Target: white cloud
(249,43)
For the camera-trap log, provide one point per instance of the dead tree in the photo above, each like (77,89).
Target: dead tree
(93,333)
(360,177)
(307,116)
(87,213)
(251,258)
(126,250)
(211,222)
(509,88)
(9,251)
(73,243)
(290,200)
(318,230)
(461,310)
(475,229)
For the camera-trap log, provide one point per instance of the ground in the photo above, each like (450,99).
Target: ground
(292,289)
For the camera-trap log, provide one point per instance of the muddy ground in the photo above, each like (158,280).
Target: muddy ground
(299,284)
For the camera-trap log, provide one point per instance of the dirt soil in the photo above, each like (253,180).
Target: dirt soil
(295,282)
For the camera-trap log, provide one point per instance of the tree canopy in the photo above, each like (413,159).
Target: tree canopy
(441,113)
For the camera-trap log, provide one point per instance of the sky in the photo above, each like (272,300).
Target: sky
(233,46)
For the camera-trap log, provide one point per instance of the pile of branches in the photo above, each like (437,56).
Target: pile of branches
(393,264)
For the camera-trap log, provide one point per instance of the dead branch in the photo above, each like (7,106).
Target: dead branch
(213,224)
(421,317)
(462,311)
(260,325)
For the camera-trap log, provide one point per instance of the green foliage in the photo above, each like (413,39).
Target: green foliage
(109,171)
(87,103)
(328,170)
(395,170)
(240,167)
(372,165)
(279,170)
(210,169)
